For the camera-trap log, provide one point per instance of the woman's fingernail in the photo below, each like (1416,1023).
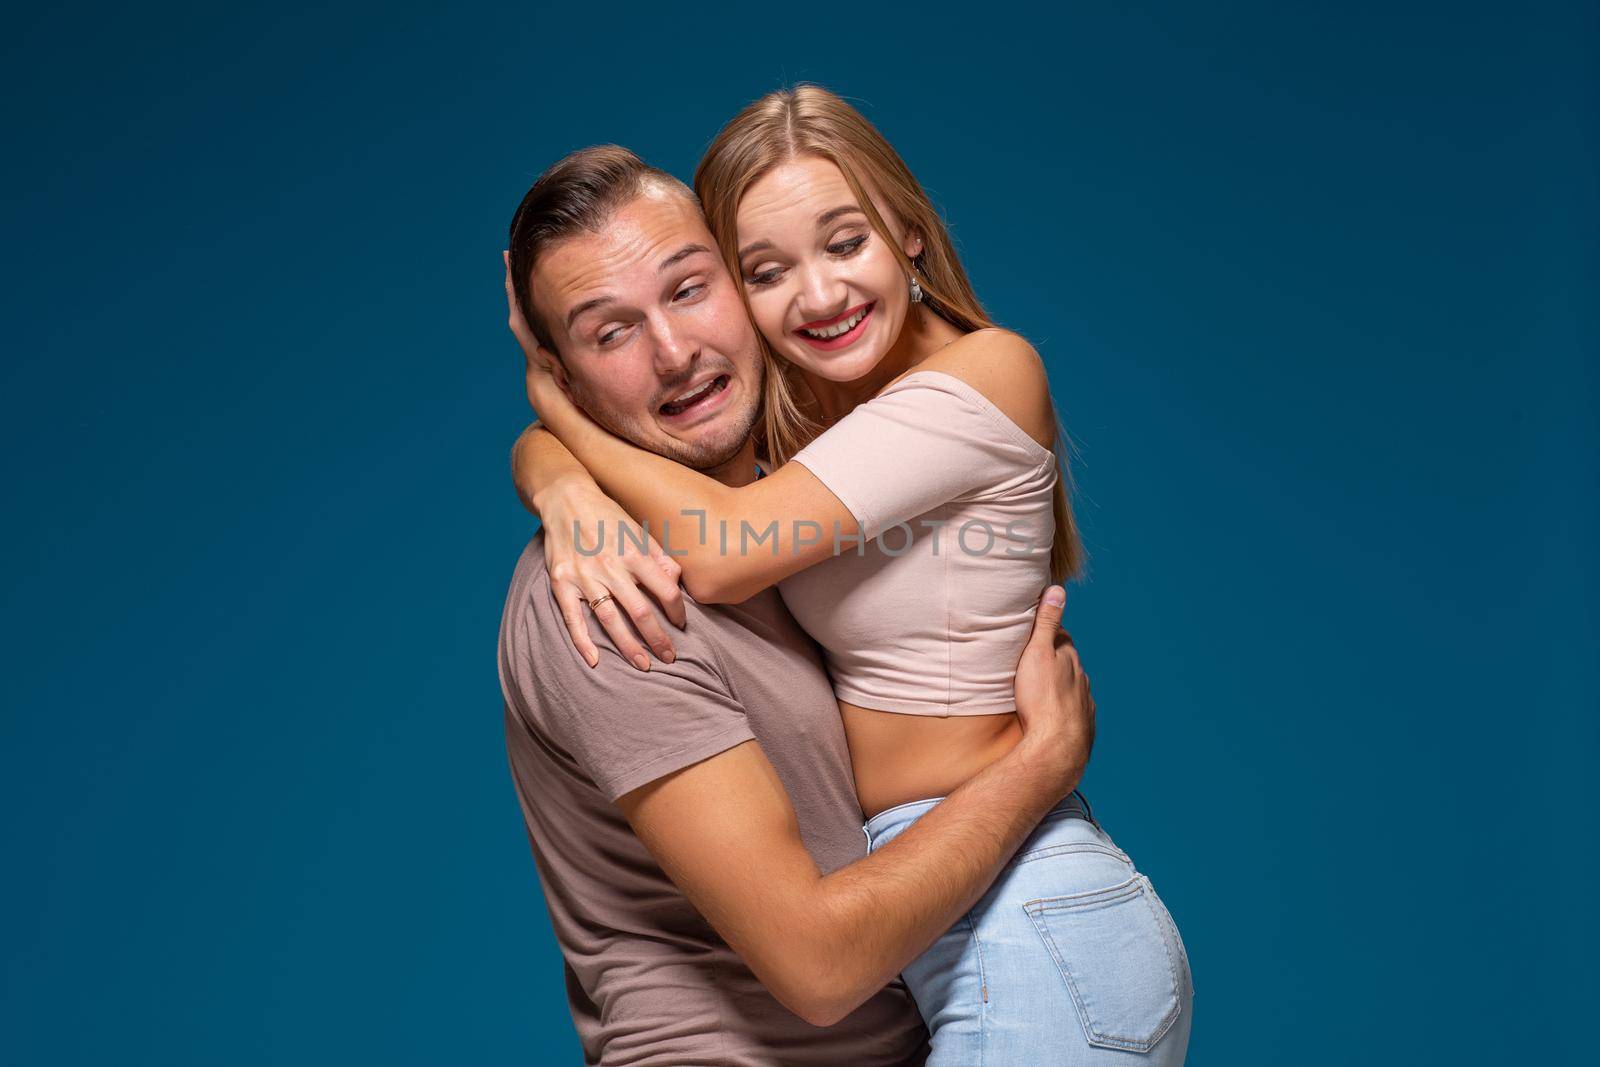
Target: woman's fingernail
(668,656)
(642,662)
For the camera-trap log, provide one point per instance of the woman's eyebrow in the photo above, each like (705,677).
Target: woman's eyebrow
(822,220)
(833,213)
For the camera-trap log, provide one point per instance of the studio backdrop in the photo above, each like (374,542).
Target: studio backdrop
(1315,286)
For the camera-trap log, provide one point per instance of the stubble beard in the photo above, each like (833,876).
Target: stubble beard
(645,434)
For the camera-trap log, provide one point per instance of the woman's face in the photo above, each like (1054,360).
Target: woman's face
(825,289)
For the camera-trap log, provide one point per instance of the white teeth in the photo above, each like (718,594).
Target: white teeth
(694,396)
(837,328)
(694,392)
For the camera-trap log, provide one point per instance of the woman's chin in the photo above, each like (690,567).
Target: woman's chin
(848,365)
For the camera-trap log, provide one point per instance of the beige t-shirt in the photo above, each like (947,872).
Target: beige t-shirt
(648,980)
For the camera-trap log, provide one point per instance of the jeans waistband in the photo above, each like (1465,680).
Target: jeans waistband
(891,821)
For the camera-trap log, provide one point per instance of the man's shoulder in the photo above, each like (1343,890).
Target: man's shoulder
(521,622)
(530,569)
(528,599)
(533,632)
(717,641)
(532,594)
(617,726)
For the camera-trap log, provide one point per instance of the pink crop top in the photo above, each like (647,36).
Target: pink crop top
(930,615)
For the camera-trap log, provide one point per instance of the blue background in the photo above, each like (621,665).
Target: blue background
(1317,292)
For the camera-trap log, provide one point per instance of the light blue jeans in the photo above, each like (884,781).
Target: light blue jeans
(1069,958)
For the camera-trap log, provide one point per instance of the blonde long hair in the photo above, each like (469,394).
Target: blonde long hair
(808,120)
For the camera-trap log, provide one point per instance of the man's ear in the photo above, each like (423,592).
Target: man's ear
(552,363)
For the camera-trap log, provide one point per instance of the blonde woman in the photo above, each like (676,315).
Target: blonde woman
(912,509)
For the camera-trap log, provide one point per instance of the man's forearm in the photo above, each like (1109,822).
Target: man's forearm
(880,913)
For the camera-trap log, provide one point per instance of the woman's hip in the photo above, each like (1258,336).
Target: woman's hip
(1070,957)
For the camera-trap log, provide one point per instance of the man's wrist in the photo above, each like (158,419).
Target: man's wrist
(1052,760)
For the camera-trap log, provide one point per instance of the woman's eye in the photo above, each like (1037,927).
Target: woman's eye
(845,248)
(763,277)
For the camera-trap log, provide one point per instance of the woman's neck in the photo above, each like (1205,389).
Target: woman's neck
(923,334)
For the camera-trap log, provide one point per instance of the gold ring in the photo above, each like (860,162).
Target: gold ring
(593,604)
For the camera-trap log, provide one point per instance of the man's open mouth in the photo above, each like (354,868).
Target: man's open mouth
(698,395)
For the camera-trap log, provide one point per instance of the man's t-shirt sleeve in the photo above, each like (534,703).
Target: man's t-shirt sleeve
(622,727)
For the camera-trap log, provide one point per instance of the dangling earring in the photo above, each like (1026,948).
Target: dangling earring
(916,290)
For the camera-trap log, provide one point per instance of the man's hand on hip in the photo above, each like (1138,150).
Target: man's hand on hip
(1054,705)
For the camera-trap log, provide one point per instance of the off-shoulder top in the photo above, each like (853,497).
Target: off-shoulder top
(928,611)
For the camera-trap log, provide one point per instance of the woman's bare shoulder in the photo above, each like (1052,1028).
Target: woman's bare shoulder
(1007,370)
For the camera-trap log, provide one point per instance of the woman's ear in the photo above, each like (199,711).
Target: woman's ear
(913,244)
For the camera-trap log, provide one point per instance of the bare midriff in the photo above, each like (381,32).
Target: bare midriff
(900,758)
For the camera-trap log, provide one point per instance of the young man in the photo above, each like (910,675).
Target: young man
(694,823)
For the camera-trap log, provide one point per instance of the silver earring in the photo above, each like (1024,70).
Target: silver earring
(916,290)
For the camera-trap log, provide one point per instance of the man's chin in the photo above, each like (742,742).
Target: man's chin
(702,447)
(712,446)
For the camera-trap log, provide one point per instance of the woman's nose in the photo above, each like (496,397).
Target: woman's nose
(822,295)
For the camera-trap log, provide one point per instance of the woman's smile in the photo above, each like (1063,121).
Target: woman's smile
(828,291)
(841,331)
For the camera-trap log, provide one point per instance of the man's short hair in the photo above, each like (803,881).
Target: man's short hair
(577,195)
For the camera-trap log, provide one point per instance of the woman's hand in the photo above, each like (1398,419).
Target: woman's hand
(1054,705)
(546,379)
(592,551)
(548,394)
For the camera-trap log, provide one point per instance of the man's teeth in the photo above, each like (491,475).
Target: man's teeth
(696,394)
(837,328)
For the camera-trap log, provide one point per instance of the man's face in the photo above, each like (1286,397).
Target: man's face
(652,332)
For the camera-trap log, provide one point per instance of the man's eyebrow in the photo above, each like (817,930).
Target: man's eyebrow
(588,305)
(680,255)
(822,220)
(601,301)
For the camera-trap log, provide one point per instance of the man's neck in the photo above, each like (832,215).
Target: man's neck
(740,470)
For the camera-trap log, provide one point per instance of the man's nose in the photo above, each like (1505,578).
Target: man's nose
(675,350)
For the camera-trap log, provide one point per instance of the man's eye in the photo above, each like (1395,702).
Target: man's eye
(688,292)
(608,336)
(844,248)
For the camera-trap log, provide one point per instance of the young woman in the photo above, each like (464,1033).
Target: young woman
(912,514)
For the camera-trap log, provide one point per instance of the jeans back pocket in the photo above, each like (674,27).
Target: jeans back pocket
(1118,960)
